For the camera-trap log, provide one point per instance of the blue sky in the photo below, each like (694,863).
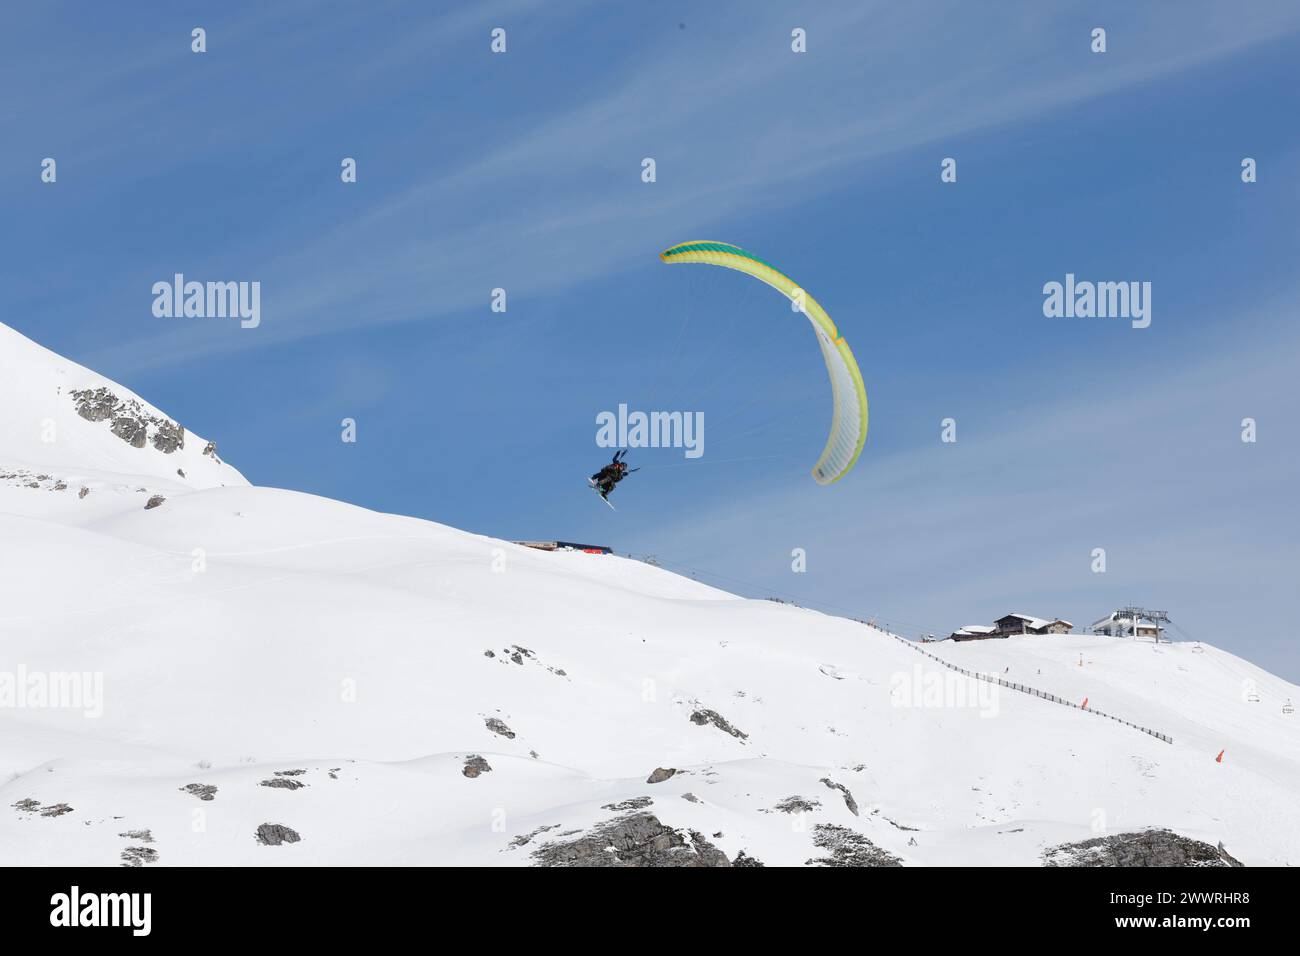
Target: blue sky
(522,171)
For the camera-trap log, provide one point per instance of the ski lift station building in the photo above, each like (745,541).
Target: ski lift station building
(1131,622)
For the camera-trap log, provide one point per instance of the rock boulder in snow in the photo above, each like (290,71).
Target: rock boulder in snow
(475,765)
(275,834)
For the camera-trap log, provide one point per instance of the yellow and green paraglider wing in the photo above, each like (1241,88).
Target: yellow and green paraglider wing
(849,419)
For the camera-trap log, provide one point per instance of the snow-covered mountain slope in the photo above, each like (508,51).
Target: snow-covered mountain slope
(380,689)
(61,423)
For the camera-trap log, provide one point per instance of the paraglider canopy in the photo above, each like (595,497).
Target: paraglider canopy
(849,417)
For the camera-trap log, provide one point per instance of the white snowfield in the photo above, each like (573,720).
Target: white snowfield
(243,634)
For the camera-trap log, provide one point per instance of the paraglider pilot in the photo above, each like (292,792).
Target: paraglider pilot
(609,476)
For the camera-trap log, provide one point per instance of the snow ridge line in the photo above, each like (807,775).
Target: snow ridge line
(1031,691)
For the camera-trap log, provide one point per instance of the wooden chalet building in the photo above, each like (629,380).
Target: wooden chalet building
(1028,624)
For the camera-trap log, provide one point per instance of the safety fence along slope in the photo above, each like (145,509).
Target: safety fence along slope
(1026,689)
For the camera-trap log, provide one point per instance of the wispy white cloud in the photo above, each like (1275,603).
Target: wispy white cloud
(732,124)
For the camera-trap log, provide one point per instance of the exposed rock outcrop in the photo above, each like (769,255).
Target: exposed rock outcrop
(131,422)
(848,797)
(95,404)
(1143,848)
(168,436)
(797,804)
(636,803)
(525,838)
(848,848)
(139,856)
(706,717)
(638,839)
